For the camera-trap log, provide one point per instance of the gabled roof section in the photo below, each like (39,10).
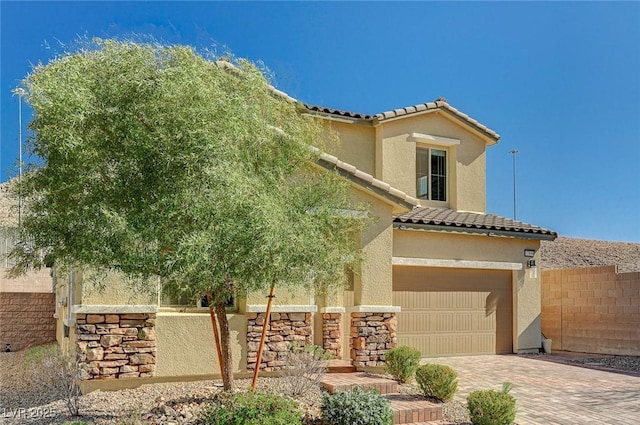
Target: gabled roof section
(438,104)
(451,220)
(367,181)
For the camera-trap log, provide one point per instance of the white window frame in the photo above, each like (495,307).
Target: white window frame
(429,142)
(428,177)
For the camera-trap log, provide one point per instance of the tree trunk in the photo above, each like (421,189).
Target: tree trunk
(216,335)
(225,342)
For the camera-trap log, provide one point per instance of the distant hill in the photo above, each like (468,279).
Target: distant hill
(565,253)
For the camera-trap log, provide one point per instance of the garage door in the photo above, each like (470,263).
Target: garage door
(454,312)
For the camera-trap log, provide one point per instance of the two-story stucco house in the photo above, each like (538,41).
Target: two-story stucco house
(440,274)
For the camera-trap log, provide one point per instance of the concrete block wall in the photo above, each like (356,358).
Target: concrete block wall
(26,319)
(592,310)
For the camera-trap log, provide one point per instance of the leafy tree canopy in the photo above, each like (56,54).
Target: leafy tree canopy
(157,161)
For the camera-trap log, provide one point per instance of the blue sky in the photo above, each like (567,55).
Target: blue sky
(559,81)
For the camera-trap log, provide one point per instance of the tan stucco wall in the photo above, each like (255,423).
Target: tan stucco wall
(396,155)
(35,281)
(284,296)
(526,302)
(116,290)
(373,283)
(185,344)
(356,145)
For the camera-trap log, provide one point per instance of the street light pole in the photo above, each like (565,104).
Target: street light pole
(514,152)
(20,92)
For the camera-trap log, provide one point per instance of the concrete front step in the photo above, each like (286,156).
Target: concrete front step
(413,410)
(333,382)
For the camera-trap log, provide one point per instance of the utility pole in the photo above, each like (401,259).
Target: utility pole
(20,92)
(514,152)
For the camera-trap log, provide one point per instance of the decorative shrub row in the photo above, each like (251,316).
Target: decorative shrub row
(440,382)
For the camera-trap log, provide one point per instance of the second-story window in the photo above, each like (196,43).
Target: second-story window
(431,174)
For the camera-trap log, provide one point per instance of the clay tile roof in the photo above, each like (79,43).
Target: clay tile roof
(451,220)
(367,180)
(439,103)
(338,112)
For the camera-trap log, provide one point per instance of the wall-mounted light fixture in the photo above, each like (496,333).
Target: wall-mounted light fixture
(529,253)
(533,269)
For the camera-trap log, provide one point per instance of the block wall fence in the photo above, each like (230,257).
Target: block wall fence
(592,310)
(26,319)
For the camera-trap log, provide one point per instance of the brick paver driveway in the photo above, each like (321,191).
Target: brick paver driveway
(552,393)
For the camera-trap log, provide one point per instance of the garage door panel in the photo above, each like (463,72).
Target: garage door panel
(454,312)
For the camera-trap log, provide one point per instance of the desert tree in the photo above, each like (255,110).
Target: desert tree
(155,161)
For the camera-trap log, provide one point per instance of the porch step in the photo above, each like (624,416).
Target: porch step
(413,410)
(333,382)
(340,366)
(407,409)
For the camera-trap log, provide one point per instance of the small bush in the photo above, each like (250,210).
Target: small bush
(437,381)
(57,371)
(251,409)
(490,407)
(402,362)
(303,369)
(357,407)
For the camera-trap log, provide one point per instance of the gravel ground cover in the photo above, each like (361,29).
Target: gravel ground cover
(22,401)
(622,363)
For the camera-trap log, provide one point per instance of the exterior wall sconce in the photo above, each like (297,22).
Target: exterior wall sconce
(529,253)
(533,269)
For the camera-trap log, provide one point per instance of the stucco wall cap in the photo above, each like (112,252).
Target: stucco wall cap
(282,308)
(332,310)
(113,309)
(374,309)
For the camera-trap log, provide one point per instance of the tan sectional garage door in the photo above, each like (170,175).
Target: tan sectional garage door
(454,312)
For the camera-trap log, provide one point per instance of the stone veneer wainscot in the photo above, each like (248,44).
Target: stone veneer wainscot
(332,334)
(116,346)
(284,329)
(372,335)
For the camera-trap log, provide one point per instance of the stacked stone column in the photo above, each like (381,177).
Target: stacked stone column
(285,329)
(332,334)
(372,335)
(116,346)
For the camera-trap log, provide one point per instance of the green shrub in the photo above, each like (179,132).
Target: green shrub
(402,362)
(356,407)
(251,409)
(490,407)
(437,381)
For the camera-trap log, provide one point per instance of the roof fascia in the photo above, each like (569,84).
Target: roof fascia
(474,231)
(489,140)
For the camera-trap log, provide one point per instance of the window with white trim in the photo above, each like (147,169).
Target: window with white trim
(431,174)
